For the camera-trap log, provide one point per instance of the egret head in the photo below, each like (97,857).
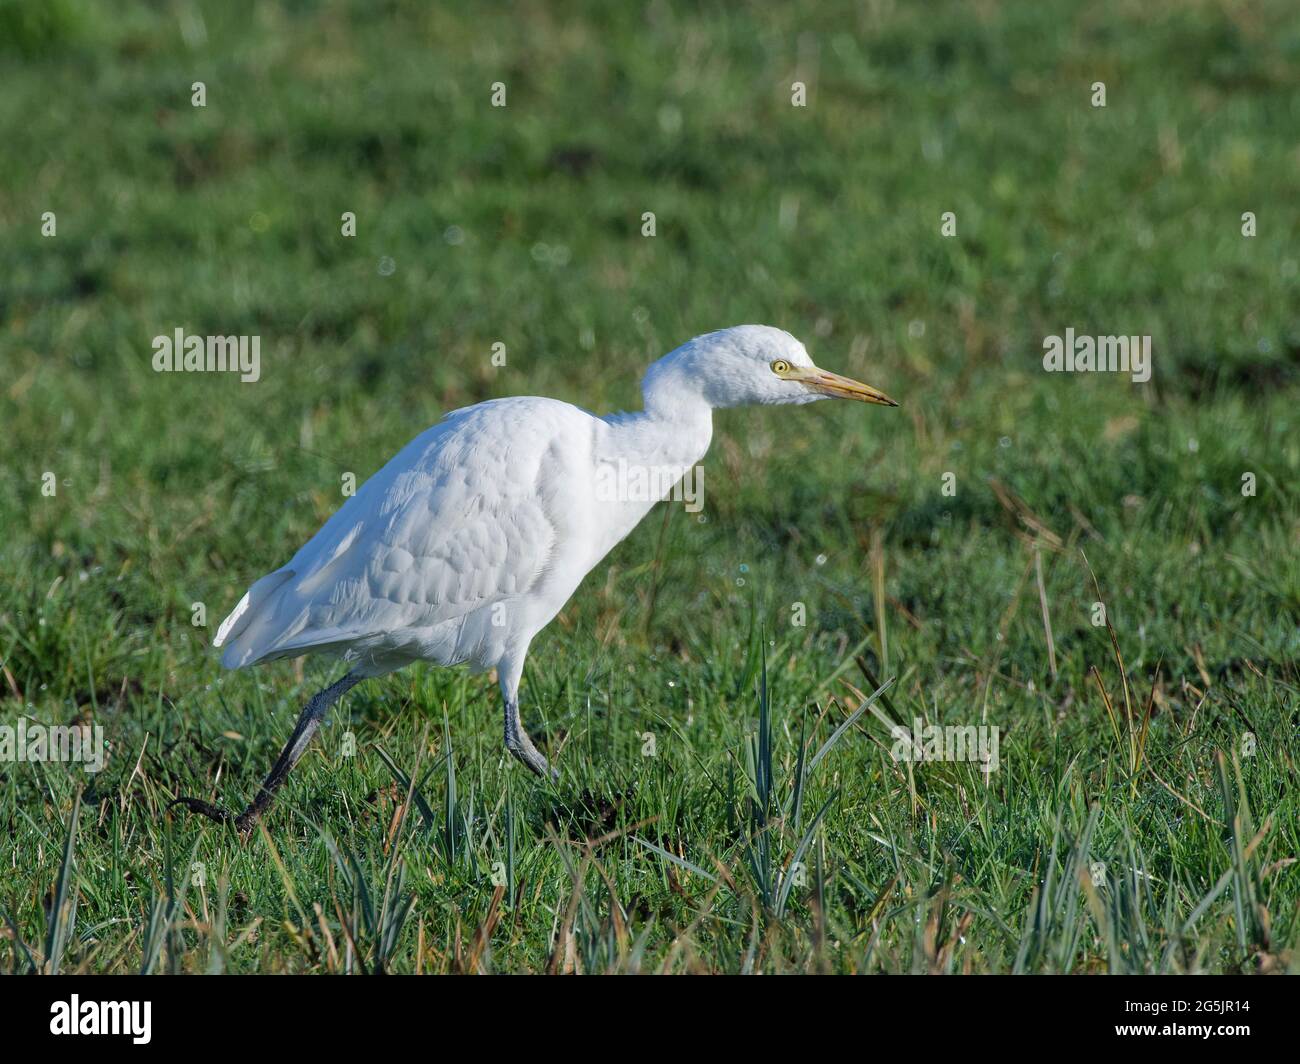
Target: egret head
(748,365)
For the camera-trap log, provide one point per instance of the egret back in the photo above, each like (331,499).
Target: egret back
(440,555)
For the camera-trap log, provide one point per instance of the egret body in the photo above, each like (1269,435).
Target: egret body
(470,540)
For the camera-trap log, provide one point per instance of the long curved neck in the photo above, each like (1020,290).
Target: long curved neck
(672,433)
(676,424)
(640,456)
(668,432)
(670,391)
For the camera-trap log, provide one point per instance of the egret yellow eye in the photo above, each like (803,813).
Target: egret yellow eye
(780,366)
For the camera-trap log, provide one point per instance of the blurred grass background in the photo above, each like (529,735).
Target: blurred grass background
(523,225)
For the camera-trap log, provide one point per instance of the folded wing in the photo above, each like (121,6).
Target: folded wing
(460,519)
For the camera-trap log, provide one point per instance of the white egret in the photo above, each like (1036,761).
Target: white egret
(466,544)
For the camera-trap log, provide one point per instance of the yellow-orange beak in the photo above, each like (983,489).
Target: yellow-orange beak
(832,384)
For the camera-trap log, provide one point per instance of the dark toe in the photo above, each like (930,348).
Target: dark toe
(197,805)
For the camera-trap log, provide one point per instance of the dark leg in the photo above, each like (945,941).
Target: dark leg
(518,743)
(510,671)
(309,721)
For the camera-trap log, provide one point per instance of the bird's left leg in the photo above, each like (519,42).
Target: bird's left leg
(309,722)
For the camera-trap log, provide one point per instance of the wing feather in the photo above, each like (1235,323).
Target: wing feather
(456,521)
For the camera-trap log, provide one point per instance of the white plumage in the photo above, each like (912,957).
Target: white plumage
(466,544)
(466,518)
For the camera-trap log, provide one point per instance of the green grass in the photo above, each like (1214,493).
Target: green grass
(176,490)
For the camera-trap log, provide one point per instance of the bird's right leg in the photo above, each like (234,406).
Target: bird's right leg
(518,743)
(309,722)
(510,671)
